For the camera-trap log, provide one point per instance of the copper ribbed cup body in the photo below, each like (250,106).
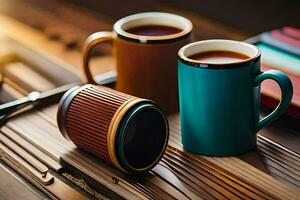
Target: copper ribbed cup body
(114,126)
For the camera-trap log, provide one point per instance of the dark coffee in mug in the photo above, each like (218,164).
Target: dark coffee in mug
(145,46)
(153,30)
(219,57)
(219,93)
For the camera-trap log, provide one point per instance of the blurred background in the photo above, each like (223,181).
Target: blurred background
(213,18)
(250,16)
(59,27)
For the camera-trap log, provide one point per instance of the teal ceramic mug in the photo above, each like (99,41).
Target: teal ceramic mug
(219,102)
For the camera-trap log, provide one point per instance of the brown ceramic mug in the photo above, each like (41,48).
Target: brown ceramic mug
(127,131)
(146,63)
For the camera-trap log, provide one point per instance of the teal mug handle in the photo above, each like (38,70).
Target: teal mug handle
(286,87)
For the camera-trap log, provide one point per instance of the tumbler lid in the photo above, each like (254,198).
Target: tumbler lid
(142,137)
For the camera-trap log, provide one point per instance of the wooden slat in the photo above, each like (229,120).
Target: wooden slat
(232,182)
(19,73)
(30,126)
(196,185)
(287,138)
(14,188)
(8,93)
(55,50)
(280,161)
(165,173)
(242,170)
(32,149)
(215,181)
(10,157)
(58,148)
(24,154)
(177,138)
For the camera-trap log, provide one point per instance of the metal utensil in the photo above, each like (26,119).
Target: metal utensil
(36,98)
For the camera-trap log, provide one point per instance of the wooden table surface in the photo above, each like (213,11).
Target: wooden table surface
(58,36)
(13,186)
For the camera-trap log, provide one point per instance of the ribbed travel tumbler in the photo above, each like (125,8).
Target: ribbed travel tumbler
(128,131)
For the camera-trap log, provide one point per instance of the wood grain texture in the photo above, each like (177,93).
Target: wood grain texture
(34,171)
(13,188)
(181,174)
(202,176)
(44,158)
(197,175)
(17,70)
(239,168)
(38,42)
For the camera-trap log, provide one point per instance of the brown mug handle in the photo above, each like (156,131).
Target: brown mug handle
(89,43)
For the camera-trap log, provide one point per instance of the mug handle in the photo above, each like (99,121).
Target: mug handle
(89,43)
(286,87)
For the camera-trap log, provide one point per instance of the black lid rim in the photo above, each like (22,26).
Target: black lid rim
(123,162)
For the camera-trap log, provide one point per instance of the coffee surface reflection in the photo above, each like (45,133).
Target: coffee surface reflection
(153,30)
(219,57)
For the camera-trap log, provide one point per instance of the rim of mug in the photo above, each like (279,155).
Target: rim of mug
(153,18)
(218,45)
